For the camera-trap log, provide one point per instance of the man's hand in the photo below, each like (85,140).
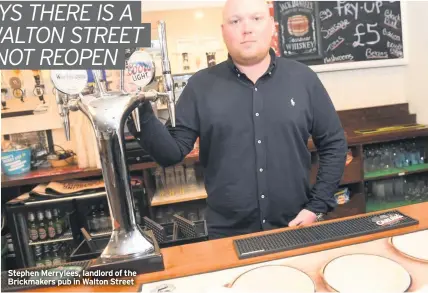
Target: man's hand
(305,217)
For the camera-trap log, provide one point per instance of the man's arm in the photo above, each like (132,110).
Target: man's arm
(329,138)
(166,144)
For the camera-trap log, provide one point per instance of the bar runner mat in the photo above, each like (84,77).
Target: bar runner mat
(33,278)
(323,233)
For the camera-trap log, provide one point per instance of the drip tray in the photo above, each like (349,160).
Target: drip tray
(323,233)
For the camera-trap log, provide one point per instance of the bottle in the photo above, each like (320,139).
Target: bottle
(160,180)
(95,221)
(48,257)
(211,59)
(56,257)
(9,243)
(51,227)
(186,66)
(58,223)
(63,252)
(32,227)
(38,256)
(42,227)
(103,218)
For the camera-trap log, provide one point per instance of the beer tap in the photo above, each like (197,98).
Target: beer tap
(129,247)
(3,92)
(38,90)
(3,98)
(63,110)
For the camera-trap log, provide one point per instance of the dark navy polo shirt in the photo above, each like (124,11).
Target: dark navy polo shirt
(253,143)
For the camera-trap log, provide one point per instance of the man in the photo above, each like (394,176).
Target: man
(254,114)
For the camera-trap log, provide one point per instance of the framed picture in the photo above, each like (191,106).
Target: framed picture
(298,29)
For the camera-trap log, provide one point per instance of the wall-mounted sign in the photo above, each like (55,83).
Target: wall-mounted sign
(298,25)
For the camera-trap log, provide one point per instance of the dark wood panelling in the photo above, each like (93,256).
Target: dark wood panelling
(374,117)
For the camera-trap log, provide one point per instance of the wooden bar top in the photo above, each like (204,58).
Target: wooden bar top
(219,254)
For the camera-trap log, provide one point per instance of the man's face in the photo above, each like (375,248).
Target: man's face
(247,30)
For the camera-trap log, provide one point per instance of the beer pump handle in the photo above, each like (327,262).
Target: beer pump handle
(166,71)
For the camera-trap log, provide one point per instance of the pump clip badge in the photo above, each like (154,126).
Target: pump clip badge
(388,219)
(141,68)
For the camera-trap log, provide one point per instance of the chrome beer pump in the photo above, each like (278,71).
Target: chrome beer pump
(129,247)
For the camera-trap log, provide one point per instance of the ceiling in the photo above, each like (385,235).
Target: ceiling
(156,5)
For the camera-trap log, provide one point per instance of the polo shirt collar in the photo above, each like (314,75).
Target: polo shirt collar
(272,65)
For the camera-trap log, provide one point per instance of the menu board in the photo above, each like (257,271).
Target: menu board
(325,32)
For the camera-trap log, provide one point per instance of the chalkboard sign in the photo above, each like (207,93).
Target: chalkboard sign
(346,31)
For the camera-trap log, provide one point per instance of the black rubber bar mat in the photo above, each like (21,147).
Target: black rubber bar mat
(323,233)
(40,277)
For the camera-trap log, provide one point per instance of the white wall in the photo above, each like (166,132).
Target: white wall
(365,87)
(417,71)
(389,85)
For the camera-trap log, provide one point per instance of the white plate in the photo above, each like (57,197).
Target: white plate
(414,245)
(274,278)
(366,273)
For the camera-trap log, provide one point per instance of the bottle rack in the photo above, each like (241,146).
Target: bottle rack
(31,253)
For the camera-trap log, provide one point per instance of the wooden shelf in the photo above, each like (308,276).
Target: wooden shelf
(395,172)
(72,172)
(48,174)
(355,139)
(191,158)
(197,194)
(67,236)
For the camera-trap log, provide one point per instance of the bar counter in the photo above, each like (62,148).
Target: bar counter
(217,255)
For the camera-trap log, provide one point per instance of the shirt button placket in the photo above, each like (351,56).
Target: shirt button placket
(260,153)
